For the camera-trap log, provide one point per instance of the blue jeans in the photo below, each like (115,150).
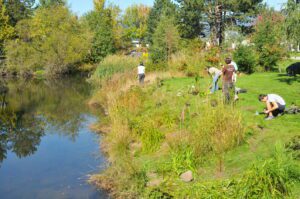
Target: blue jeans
(215,86)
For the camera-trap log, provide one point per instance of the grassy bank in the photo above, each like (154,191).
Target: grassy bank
(159,131)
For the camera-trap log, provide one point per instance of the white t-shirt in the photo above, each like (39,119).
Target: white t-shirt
(234,65)
(214,71)
(276,98)
(141,69)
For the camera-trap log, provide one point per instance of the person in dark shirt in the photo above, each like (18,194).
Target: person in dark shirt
(228,85)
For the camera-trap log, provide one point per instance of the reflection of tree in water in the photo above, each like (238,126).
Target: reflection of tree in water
(63,107)
(30,106)
(19,132)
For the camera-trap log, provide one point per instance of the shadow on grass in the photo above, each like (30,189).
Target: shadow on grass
(288,79)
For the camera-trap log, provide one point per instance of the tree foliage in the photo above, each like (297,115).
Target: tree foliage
(160,8)
(48,3)
(292,21)
(53,40)
(6,30)
(190,14)
(269,34)
(165,40)
(135,22)
(19,9)
(234,12)
(100,22)
(246,59)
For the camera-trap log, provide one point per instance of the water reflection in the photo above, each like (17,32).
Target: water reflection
(28,108)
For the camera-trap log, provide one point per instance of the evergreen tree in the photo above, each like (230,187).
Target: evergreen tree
(165,40)
(229,11)
(160,7)
(189,18)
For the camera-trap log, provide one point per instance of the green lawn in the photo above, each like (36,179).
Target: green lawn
(261,135)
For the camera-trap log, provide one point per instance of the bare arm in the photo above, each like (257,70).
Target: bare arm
(271,106)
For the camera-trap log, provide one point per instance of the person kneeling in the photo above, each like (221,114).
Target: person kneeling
(275,105)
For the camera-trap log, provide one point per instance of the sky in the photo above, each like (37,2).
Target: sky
(82,6)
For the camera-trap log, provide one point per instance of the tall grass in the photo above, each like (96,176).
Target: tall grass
(271,178)
(112,65)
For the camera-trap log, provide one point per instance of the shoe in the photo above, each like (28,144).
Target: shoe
(270,118)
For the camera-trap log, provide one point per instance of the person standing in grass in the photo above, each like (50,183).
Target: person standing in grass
(234,78)
(236,70)
(275,105)
(215,73)
(141,73)
(228,84)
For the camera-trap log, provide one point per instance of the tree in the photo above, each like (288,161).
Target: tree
(269,33)
(53,40)
(101,24)
(292,22)
(117,27)
(189,18)
(221,12)
(19,9)
(48,3)
(135,22)
(165,40)
(6,30)
(99,5)
(160,8)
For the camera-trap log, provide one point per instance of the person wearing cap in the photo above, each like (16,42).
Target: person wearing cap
(275,105)
(141,73)
(215,73)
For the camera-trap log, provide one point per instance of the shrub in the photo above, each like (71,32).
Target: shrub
(245,58)
(185,62)
(267,39)
(212,56)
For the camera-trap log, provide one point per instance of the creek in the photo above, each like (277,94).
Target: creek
(46,147)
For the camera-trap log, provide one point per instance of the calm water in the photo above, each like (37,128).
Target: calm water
(46,147)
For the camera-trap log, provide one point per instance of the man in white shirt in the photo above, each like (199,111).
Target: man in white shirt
(141,73)
(275,105)
(215,73)
(236,69)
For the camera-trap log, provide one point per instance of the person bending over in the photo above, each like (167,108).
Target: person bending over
(275,105)
(215,73)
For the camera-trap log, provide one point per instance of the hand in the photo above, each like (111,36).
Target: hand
(266,111)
